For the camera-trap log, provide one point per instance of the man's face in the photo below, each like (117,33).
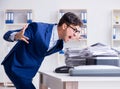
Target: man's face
(71,32)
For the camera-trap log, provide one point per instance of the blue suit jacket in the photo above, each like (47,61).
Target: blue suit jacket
(25,59)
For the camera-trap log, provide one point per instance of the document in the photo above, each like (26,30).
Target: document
(89,67)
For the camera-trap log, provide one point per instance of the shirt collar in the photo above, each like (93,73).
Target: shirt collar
(55,36)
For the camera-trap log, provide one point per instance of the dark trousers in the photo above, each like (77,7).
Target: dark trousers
(19,83)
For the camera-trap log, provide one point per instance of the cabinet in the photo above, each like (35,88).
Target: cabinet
(15,19)
(116,29)
(82,13)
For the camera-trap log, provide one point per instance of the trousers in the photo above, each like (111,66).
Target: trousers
(19,83)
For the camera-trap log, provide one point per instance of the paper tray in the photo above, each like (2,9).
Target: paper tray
(95,72)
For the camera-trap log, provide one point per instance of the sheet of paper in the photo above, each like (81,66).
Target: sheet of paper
(87,67)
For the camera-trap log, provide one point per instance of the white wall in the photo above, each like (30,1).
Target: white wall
(99,13)
(99,16)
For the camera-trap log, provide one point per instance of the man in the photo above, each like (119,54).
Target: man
(36,41)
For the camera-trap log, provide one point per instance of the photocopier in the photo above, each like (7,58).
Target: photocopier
(95,60)
(96,54)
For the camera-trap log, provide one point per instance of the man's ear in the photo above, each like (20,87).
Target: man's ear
(64,26)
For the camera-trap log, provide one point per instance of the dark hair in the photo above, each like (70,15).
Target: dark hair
(70,18)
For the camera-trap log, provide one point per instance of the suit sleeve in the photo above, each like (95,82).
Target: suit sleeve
(6,36)
(29,32)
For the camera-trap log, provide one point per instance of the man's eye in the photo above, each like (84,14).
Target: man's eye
(75,30)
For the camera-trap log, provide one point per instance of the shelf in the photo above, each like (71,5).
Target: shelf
(116,16)
(116,25)
(18,16)
(8,84)
(116,28)
(116,39)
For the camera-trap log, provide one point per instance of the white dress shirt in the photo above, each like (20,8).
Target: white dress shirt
(54,37)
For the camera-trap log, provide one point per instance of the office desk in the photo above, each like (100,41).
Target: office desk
(64,81)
